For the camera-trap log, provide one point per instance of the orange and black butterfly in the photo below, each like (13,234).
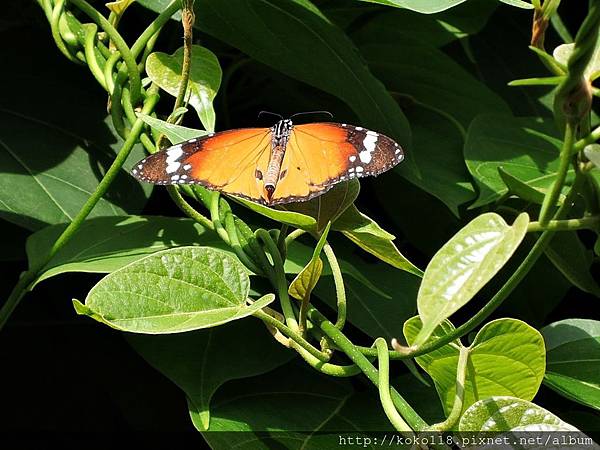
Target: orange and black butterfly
(282,164)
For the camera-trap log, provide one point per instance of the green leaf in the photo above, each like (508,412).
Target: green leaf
(592,152)
(563,52)
(176,290)
(204,82)
(106,244)
(200,362)
(329,206)
(519,347)
(421,72)
(573,354)
(369,236)
(175,133)
(522,190)
(464,265)
(504,413)
(302,286)
(420,6)
(119,6)
(523,147)
(278,402)
(294,37)
(288,217)
(569,256)
(437,30)
(50,172)
(518,3)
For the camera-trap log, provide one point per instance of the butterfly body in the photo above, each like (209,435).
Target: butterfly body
(281,164)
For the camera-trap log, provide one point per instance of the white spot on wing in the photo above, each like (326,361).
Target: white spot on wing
(369,144)
(184,177)
(187,167)
(352,158)
(173,154)
(359,128)
(359,169)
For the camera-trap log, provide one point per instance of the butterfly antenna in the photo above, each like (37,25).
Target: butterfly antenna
(270,113)
(311,112)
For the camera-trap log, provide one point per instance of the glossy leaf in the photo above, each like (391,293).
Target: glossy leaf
(278,402)
(302,286)
(205,79)
(518,3)
(505,413)
(573,354)
(176,290)
(523,147)
(519,347)
(464,265)
(106,244)
(294,37)
(49,173)
(119,6)
(369,236)
(175,133)
(294,219)
(200,362)
(569,256)
(522,190)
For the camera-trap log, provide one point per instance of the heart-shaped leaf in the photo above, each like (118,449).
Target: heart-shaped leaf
(464,265)
(369,236)
(204,82)
(573,353)
(105,244)
(200,362)
(518,346)
(172,291)
(505,413)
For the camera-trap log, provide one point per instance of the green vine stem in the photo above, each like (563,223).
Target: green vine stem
(385,395)
(338,280)
(459,395)
(583,223)
(31,275)
(345,345)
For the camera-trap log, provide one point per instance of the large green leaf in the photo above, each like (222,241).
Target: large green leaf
(394,26)
(369,236)
(573,353)
(50,172)
(464,265)
(105,244)
(204,82)
(421,72)
(176,290)
(294,37)
(420,6)
(522,147)
(507,357)
(505,413)
(200,362)
(56,142)
(270,411)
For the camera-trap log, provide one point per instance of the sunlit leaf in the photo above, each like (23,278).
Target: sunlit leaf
(175,133)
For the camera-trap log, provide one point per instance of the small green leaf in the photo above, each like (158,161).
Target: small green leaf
(573,354)
(200,362)
(329,206)
(464,265)
(504,413)
(519,347)
(105,244)
(119,6)
(172,291)
(592,152)
(522,190)
(369,236)
(304,283)
(563,52)
(420,6)
(569,256)
(288,217)
(204,82)
(523,147)
(175,133)
(518,3)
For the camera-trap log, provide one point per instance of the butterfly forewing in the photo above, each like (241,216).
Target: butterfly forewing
(230,161)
